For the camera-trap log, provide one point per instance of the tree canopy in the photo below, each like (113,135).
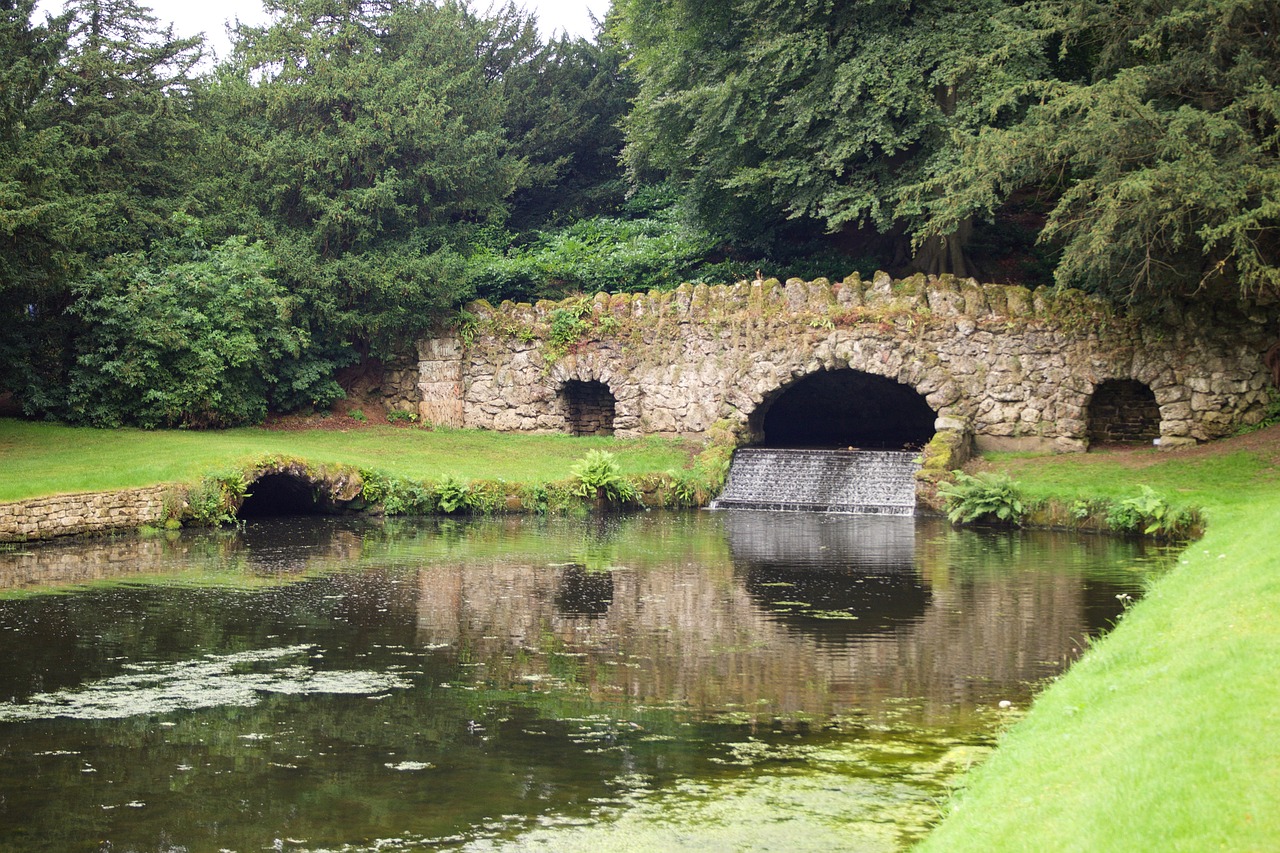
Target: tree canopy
(1161,155)
(191,244)
(818,111)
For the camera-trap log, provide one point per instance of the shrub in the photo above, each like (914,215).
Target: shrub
(1148,512)
(196,344)
(212,501)
(598,476)
(452,494)
(985,497)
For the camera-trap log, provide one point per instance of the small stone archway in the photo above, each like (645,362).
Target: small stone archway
(280,493)
(844,408)
(589,407)
(291,488)
(1122,411)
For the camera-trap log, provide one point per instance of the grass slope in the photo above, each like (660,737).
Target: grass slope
(1166,734)
(43,459)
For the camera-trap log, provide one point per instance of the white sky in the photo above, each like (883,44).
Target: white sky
(194,16)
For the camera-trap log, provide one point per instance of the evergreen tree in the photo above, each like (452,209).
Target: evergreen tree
(564,106)
(1158,145)
(372,143)
(818,111)
(99,136)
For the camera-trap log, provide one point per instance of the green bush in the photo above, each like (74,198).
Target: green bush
(597,254)
(213,500)
(452,493)
(984,497)
(598,476)
(201,343)
(1147,512)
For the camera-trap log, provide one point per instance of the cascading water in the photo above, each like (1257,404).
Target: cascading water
(862,482)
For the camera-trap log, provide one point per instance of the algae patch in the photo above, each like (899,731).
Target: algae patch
(239,679)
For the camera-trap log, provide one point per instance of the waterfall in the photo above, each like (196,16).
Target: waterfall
(863,482)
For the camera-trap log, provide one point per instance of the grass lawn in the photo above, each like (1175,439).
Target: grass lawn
(44,459)
(1166,734)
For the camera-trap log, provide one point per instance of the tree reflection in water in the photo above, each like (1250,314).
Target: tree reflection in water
(335,680)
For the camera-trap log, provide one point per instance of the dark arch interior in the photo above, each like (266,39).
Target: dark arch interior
(589,407)
(1123,411)
(280,494)
(847,408)
(839,603)
(584,593)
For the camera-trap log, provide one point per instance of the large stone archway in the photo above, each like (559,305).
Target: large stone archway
(1012,367)
(844,408)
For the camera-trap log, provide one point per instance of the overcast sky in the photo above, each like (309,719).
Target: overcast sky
(210,18)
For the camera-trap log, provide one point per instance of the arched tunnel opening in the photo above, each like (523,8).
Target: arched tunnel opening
(1123,411)
(846,408)
(276,495)
(589,407)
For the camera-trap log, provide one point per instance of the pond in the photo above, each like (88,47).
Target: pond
(726,681)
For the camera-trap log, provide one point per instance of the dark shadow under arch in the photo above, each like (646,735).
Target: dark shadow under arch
(845,408)
(281,494)
(589,407)
(1123,411)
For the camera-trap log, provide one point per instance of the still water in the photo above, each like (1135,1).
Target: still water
(703,681)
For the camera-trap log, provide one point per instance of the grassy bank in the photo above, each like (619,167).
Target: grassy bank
(1166,735)
(44,459)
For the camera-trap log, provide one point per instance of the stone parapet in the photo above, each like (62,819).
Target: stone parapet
(1019,367)
(91,512)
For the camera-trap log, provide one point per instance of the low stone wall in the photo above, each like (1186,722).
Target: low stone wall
(1017,369)
(89,512)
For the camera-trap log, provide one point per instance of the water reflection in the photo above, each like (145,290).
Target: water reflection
(334,680)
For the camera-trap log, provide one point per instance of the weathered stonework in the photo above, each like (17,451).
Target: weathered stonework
(1016,369)
(69,515)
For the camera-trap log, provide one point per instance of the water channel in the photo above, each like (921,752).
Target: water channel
(701,681)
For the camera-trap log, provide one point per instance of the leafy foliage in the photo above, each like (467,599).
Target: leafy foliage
(374,136)
(1157,141)
(593,255)
(453,494)
(818,111)
(564,102)
(96,140)
(185,344)
(598,476)
(982,497)
(1147,512)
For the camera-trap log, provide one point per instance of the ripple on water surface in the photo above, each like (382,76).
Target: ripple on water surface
(733,680)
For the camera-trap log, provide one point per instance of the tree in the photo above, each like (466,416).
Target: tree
(186,336)
(371,142)
(564,105)
(1161,159)
(97,138)
(817,112)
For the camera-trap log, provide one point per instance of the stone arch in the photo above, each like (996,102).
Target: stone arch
(1122,411)
(291,489)
(280,493)
(589,407)
(581,381)
(843,407)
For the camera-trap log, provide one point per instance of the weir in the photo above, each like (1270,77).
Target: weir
(860,482)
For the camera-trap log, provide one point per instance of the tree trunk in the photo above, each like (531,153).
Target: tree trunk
(942,255)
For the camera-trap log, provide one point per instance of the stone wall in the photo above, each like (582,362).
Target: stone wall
(1016,368)
(94,512)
